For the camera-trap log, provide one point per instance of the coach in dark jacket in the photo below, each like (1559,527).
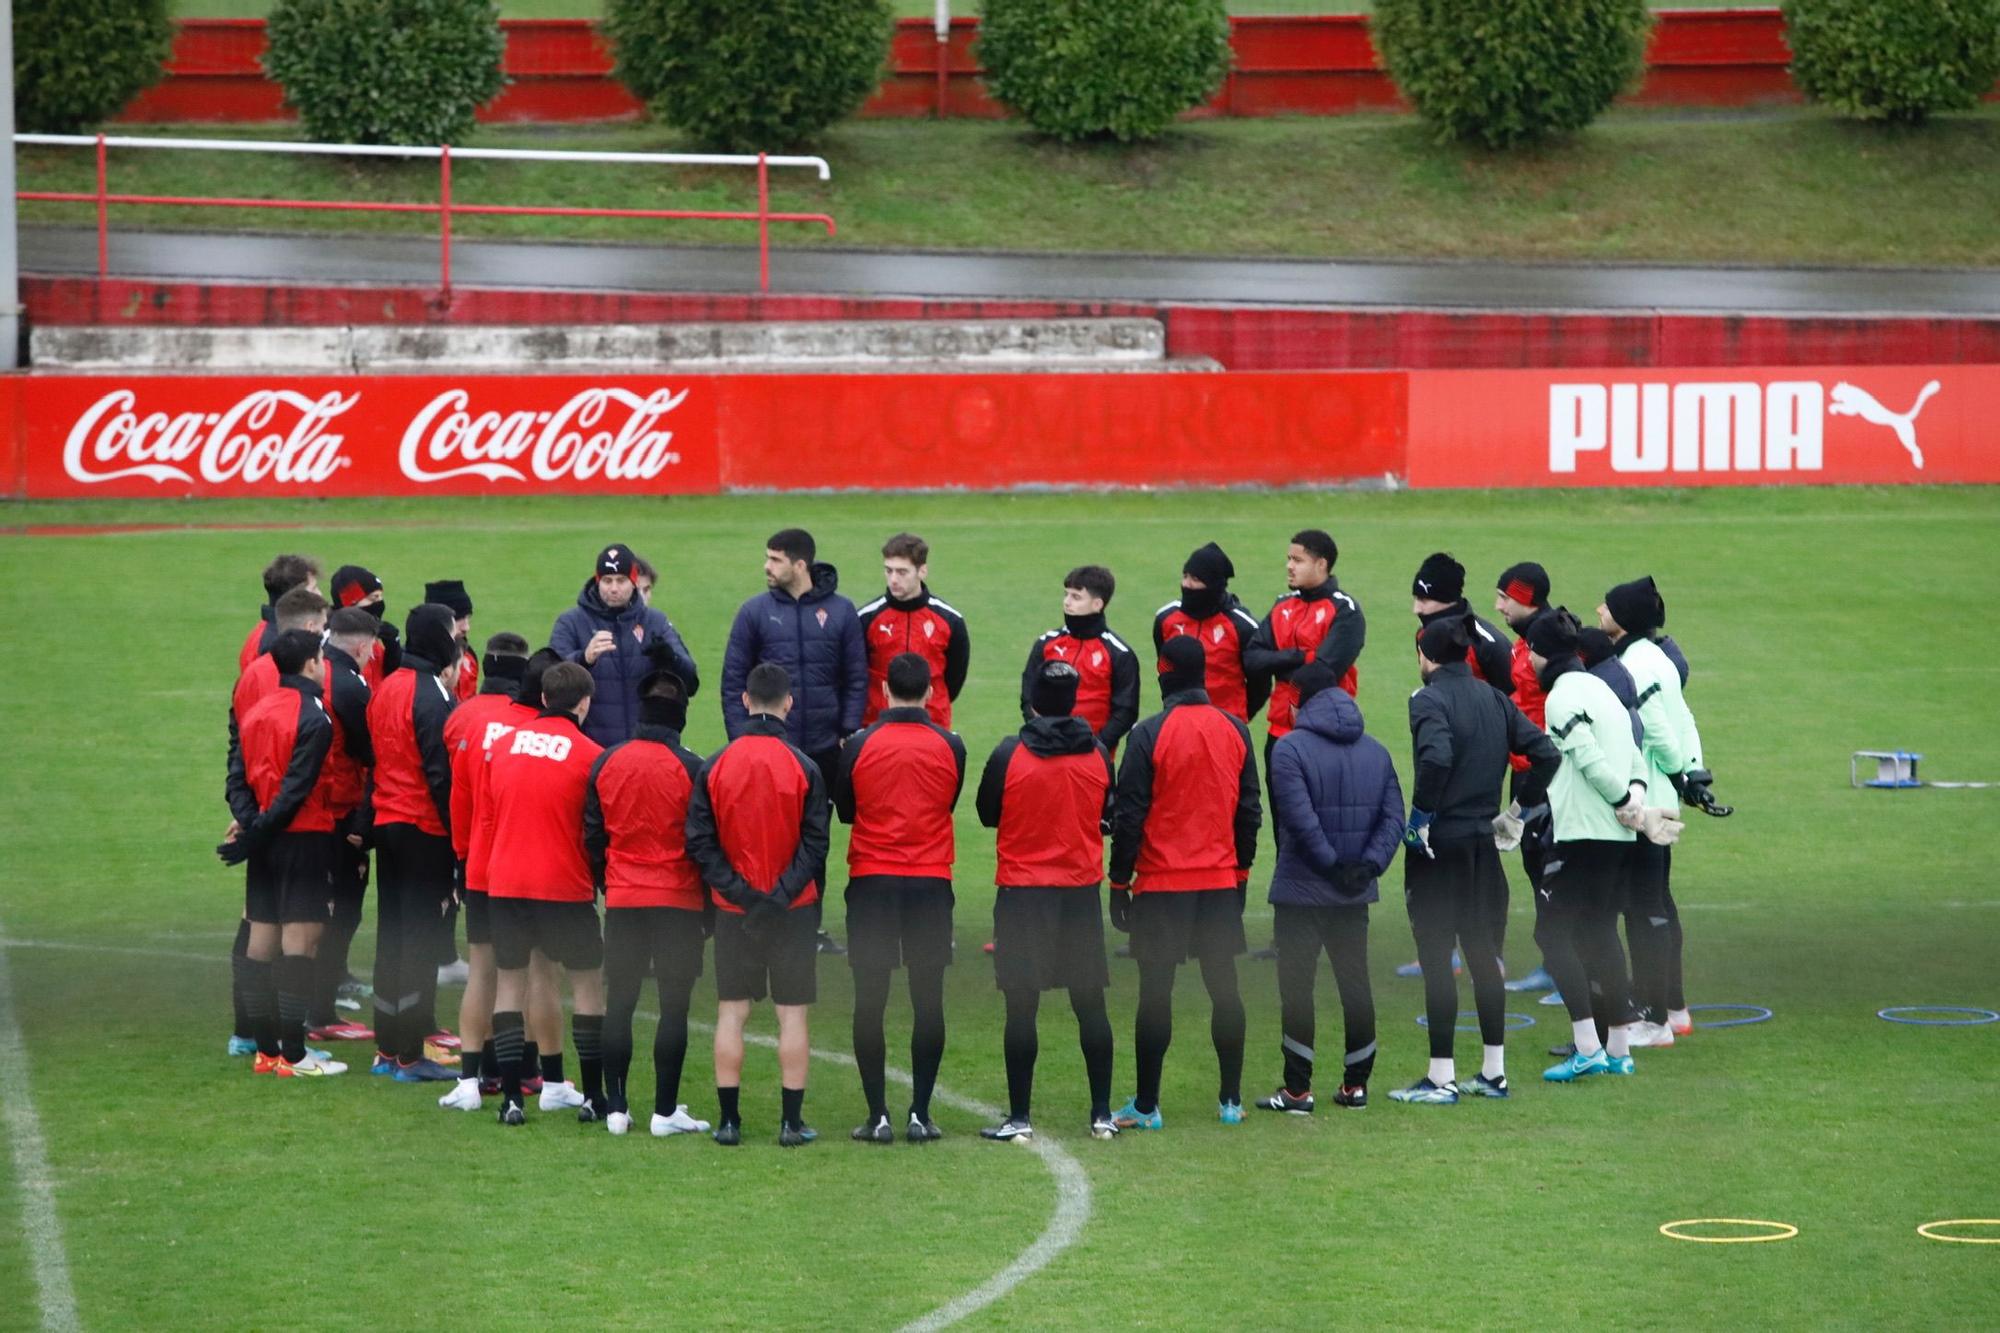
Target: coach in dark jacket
(621,640)
(801,623)
(1335,796)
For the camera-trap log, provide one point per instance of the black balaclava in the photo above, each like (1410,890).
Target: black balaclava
(1053,693)
(1637,607)
(1183,666)
(427,633)
(351,583)
(1212,566)
(661,710)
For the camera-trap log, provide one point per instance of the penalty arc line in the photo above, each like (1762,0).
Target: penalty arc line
(1064,1228)
(41,1226)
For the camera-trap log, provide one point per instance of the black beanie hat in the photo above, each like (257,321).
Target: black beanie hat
(1445,640)
(451,593)
(1053,693)
(1527,583)
(666,709)
(1637,606)
(1554,635)
(1211,565)
(1439,579)
(1593,645)
(529,691)
(1183,666)
(1311,678)
(350,584)
(616,559)
(427,633)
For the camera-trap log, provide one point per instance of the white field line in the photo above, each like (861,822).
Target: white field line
(1065,1225)
(41,1227)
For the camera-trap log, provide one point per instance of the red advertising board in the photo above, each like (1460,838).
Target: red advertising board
(196,435)
(1737,426)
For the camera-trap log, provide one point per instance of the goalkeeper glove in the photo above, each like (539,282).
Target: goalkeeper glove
(1417,833)
(1507,827)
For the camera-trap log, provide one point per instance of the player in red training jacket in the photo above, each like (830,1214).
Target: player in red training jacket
(540,893)
(1183,837)
(656,912)
(897,784)
(909,618)
(1048,792)
(757,827)
(1107,693)
(1207,612)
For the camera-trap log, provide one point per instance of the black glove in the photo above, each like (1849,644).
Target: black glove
(1121,910)
(707,917)
(233,853)
(763,918)
(1352,878)
(1693,787)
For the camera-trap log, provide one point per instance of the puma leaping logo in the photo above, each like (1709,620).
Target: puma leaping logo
(1852,401)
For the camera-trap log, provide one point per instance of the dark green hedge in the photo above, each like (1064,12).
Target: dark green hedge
(386,71)
(1117,69)
(1897,60)
(78,62)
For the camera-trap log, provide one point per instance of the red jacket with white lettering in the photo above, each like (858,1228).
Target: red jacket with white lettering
(1223,637)
(924,625)
(478,795)
(897,785)
(276,772)
(1107,695)
(757,820)
(537,778)
(406,720)
(1320,624)
(635,822)
(469,734)
(1048,791)
(1188,811)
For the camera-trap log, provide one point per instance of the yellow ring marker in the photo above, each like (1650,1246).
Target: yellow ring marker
(1782,1230)
(1928,1234)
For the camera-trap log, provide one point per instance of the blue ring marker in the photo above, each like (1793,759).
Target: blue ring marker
(1527,1021)
(1894,1014)
(1758,1014)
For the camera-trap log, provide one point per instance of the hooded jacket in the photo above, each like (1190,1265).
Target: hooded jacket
(637,629)
(1049,792)
(817,640)
(1187,812)
(1335,800)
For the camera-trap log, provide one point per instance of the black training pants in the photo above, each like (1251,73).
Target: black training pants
(1576,925)
(1652,926)
(412,889)
(1450,896)
(1301,933)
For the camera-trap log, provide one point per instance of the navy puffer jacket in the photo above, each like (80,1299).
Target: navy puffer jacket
(640,633)
(1334,800)
(817,640)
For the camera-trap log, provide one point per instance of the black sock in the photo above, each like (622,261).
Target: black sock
(552,1071)
(793,1106)
(293,974)
(239,985)
(509,1045)
(725,1105)
(532,1054)
(926,1039)
(588,1032)
(470,1062)
(1019,1045)
(261,995)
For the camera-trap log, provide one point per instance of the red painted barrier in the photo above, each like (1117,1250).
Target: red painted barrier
(199,435)
(560,70)
(1802,425)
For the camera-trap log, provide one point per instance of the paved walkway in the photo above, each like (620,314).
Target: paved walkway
(414,261)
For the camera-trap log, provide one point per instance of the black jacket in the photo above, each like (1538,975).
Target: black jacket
(1462,731)
(1492,650)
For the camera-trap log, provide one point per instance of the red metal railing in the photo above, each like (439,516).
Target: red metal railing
(444,208)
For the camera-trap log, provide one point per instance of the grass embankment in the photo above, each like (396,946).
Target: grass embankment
(1795,187)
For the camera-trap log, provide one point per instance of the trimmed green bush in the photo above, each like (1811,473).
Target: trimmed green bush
(1091,69)
(1896,60)
(750,75)
(77,62)
(1505,72)
(386,71)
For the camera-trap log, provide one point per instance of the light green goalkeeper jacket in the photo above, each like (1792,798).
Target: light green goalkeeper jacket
(1593,733)
(1672,745)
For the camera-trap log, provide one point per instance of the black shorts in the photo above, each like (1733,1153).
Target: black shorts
(784,964)
(566,933)
(291,881)
(478,916)
(1584,878)
(1049,939)
(1175,927)
(898,921)
(665,942)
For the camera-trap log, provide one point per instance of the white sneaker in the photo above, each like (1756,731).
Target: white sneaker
(618,1122)
(316,1065)
(560,1096)
(455,973)
(680,1122)
(464,1096)
(1651,1034)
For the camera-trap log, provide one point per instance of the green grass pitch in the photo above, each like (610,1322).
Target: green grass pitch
(1818,621)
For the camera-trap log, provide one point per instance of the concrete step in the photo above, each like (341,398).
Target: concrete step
(987,345)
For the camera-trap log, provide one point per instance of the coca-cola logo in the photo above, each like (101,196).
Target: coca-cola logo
(581,440)
(256,440)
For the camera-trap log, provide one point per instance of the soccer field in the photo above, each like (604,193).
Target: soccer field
(1818,622)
